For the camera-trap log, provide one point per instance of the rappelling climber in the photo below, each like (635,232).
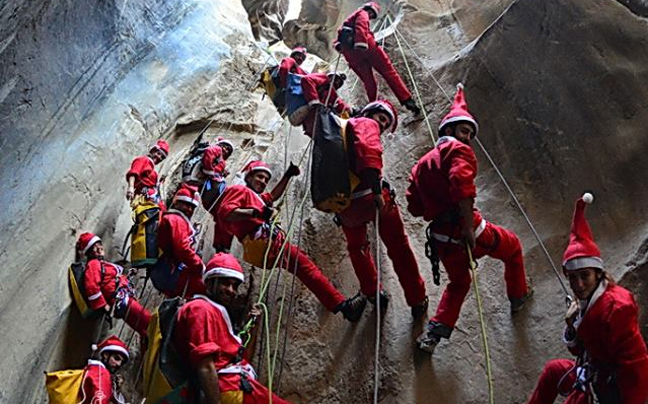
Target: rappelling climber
(602,331)
(292,64)
(206,169)
(356,42)
(245,211)
(319,91)
(442,190)
(178,271)
(101,384)
(373,192)
(106,285)
(204,337)
(142,178)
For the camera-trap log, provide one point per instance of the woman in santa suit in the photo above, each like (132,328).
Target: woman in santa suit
(602,331)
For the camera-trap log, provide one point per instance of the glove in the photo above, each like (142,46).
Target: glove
(292,170)
(355,111)
(265,214)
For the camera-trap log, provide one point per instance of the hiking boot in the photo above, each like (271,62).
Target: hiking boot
(518,304)
(353,307)
(384,300)
(420,309)
(411,106)
(428,341)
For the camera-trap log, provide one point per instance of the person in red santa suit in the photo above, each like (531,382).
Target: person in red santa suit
(142,178)
(176,239)
(364,55)
(292,64)
(442,190)
(208,171)
(101,384)
(319,91)
(106,285)
(245,211)
(602,331)
(205,338)
(374,193)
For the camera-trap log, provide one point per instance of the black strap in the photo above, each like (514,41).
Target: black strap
(432,252)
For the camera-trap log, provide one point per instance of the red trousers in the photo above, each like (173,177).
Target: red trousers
(392,232)
(137,317)
(548,386)
(495,242)
(362,62)
(261,395)
(310,275)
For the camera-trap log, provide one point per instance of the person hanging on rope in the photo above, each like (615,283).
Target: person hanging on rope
(292,64)
(106,285)
(178,271)
(319,91)
(357,44)
(204,337)
(442,190)
(245,211)
(374,192)
(142,178)
(101,384)
(206,169)
(602,331)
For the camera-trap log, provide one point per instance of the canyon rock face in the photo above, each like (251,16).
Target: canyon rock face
(557,87)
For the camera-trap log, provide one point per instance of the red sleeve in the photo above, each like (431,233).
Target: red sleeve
(267,198)
(211,159)
(629,349)
(367,146)
(310,84)
(339,104)
(181,239)
(92,278)
(462,172)
(232,198)
(199,330)
(286,66)
(414,202)
(363,37)
(138,166)
(96,389)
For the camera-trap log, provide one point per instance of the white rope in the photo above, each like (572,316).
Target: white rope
(378,309)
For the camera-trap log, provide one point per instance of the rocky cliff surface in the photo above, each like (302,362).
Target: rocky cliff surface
(558,88)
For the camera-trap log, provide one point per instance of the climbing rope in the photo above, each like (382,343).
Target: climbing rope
(568,298)
(378,310)
(482,324)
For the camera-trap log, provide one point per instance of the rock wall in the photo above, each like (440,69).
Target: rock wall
(554,84)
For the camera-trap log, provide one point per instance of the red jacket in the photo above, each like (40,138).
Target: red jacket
(143,169)
(100,289)
(176,238)
(235,197)
(363,37)
(213,163)
(289,65)
(316,87)
(97,384)
(609,332)
(204,329)
(366,151)
(442,178)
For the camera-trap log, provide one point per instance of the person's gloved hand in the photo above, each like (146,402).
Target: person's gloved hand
(355,111)
(292,170)
(570,316)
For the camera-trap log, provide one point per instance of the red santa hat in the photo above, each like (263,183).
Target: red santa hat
(222,141)
(113,344)
(187,193)
(582,251)
(299,49)
(458,112)
(373,6)
(162,146)
(223,265)
(256,165)
(384,106)
(86,241)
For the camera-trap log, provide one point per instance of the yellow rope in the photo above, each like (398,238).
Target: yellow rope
(482,323)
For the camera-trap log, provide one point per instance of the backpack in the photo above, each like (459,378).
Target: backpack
(272,86)
(192,167)
(165,377)
(332,183)
(144,250)
(76,273)
(296,106)
(63,386)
